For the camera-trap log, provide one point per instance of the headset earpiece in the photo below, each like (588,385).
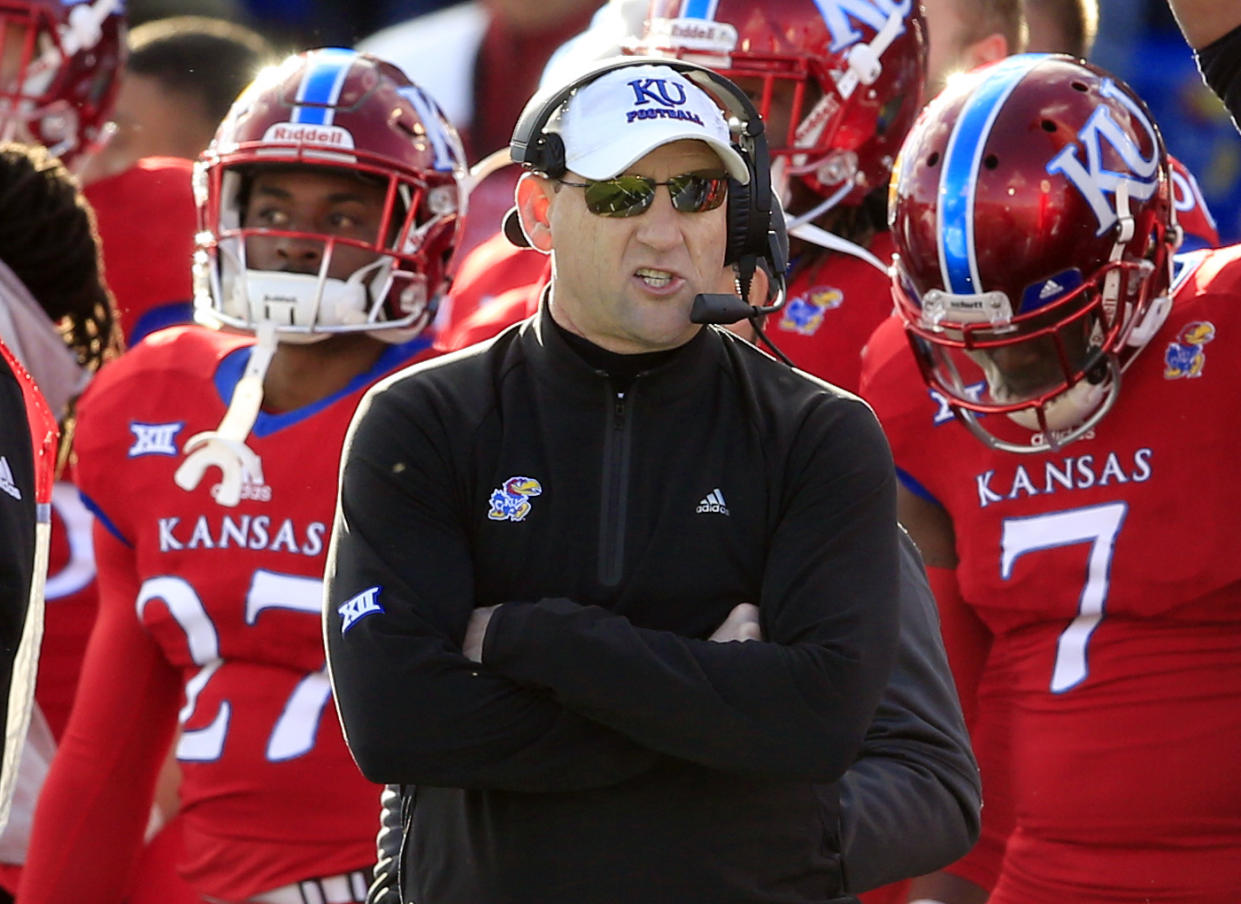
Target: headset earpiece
(549,155)
(740,214)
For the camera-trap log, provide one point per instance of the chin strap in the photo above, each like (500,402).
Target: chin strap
(864,59)
(817,235)
(225,447)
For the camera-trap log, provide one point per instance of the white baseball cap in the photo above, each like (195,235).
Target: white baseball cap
(620,117)
(612,122)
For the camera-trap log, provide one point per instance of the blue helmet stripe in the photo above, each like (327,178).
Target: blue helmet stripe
(698,9)
(320,87)
(959,176)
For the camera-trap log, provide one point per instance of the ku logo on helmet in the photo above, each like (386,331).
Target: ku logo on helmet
(1095,181)
(841,14)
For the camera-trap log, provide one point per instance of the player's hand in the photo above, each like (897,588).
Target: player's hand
(475,631)
(741,624)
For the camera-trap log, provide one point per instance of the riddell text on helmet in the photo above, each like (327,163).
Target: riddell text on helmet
(298,133)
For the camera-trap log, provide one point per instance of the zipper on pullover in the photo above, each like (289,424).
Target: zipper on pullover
(614,497)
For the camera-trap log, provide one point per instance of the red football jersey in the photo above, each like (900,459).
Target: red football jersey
(832,306)
(493,268)
(147,218)
(228,601)
(504,310)
(1111,703)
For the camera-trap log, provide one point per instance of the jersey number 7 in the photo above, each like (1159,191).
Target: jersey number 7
(1098,525)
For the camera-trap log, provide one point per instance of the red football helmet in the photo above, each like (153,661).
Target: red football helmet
(1032,214)
(339,112)
(59,73)
(839,82)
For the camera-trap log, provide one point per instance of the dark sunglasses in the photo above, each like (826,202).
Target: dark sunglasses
(628,196)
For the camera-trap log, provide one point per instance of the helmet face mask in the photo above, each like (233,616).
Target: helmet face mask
(360,207)
(60,72)
(1031,212)
(839,87)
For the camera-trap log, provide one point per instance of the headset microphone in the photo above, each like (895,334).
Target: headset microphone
(720,308)
(724,309)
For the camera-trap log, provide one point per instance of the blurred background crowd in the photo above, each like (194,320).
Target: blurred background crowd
(1137,39)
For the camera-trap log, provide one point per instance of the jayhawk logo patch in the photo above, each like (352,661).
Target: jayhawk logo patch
(511,502)
(804,314)
(1185,357)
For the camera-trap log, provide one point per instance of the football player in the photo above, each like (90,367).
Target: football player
(330,202)
(60,72)
(839,91)
(58,324)
(1062,26)
(52,295)
(1063,392)
(969,33)
(60,67)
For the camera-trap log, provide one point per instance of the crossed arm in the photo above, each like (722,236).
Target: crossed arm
(1203,21)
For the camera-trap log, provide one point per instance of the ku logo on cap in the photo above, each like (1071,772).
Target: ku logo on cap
(643,92)
(668,94)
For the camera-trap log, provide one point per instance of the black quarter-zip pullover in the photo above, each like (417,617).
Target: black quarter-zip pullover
(605,751)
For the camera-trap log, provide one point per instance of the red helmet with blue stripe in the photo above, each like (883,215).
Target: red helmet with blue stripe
(336,111)
(60,71)
(1031,210)
(839,82)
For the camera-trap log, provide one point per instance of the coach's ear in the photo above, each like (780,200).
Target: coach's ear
(533,201)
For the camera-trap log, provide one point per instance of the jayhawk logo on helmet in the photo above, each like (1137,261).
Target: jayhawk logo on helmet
(511,502)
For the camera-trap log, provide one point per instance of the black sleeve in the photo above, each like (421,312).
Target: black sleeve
(795,705)
(1220,65)
(911,804)
(415,710)
(17,532)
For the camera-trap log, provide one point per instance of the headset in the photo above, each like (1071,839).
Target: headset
(755,221)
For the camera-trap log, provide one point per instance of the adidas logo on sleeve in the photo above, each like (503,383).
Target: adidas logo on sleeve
(7,483)
(713,503)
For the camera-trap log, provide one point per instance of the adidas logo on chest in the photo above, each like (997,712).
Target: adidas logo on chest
(712,504)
